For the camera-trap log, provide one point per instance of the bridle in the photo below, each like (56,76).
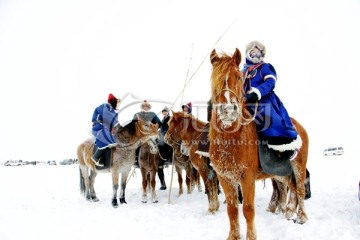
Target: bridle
(240,100)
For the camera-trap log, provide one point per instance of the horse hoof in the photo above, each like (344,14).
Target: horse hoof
(143,201)
(289,214)
(122,200)
(155,201)
(94,199)
(114,203)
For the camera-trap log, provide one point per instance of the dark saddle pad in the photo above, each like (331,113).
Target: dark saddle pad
(272,163)
(105,158)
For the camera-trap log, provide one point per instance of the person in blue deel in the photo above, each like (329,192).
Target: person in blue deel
(104,120)
(272,119)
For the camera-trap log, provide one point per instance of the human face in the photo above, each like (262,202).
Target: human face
(255,52)
(186,109)
(146,108)
(164,113)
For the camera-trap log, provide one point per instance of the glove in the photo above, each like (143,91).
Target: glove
(252,98)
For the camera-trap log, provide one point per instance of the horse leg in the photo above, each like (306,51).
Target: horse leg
(180,179)
(210,180)
(93,175)
(248,187)
(85,185)
(196,176)
(232,208)
(300,176)
(144,185)
(188,179)
(124,177)
(153,185)
(115,178)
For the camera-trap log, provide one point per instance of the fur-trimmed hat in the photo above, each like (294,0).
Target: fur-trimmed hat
(250,46)
(165,109)
(145,104)
(188,105)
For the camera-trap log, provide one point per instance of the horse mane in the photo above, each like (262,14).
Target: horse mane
(176,115)
(131,127)
(220,72)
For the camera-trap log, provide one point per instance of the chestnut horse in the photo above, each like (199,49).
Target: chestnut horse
(183,127)
(233,149)
(123,157)
(149,158)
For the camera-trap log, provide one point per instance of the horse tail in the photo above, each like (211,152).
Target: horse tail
(82,183)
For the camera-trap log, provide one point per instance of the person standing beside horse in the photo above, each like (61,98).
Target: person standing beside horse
(147,116)
(165,149)
(104,119)
(272,119)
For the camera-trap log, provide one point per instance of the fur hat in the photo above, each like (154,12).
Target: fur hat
(250,46)
(188,105)
(165,109)
(145,104)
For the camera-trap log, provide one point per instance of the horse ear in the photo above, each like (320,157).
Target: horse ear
(213,57)
(237,57)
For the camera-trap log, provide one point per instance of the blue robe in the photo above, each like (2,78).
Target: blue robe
(104,119)
(272,119)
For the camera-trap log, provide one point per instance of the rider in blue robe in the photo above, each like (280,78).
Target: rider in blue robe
(272,119)
(104,120)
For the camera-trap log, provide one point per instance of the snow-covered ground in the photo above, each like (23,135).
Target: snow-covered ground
(43,202)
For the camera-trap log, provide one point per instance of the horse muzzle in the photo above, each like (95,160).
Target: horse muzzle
(228,113)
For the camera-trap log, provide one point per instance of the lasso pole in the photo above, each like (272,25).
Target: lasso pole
(182,99)
(202,62)
(172,177)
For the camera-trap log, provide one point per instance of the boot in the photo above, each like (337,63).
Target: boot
(96,157)
(162,178)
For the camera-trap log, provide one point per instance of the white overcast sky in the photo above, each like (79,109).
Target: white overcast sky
(60,59)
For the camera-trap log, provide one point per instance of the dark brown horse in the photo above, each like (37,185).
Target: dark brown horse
(183,127)
(149,158)
(129,138)
(182,162)
(234,150)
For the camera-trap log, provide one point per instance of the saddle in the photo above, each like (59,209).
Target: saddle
(270,161)
(105,158)
(273,163)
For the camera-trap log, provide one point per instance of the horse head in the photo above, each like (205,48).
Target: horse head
(178,124)
(226,88)
(135,133)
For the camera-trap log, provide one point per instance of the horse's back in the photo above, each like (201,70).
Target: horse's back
(302,132)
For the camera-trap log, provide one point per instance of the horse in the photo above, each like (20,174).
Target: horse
(234,147)
(182,162)
(149,158)
(279,195)
(128,138)
(183,127)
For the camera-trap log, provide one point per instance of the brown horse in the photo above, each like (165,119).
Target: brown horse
(234,150)
(182,162)
(149,158)
(183,127)
(123,157)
